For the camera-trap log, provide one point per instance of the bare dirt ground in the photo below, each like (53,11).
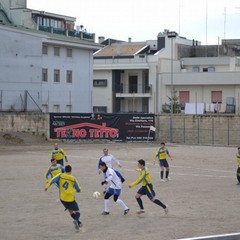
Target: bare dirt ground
(202,196)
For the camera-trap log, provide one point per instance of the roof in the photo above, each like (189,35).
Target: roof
(53,15)
(122,49)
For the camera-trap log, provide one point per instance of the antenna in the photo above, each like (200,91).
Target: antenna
(224,24)
(179,17)
(206,19)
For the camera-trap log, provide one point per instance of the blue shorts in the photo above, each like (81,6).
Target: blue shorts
(70,205)
(60,162)
(112,191)
(147,190)
(163,163)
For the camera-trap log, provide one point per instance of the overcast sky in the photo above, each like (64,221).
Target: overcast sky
(205,21)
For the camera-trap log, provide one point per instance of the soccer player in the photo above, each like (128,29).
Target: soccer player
(114,189)
(161,155)
(68,184)
(109,159)
(238,169)
(146,189)
(53,170)
(58,154)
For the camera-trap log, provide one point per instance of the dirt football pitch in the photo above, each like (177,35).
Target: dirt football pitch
(202,195)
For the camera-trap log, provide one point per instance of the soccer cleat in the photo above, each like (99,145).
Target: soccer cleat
(75,222)
(80,224)
(126,211)
(140,212)
(162,180)
(105,213)
(238,183)
(166,210)
(168,179)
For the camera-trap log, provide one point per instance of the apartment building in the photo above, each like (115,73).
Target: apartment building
(205,79)
(45,63)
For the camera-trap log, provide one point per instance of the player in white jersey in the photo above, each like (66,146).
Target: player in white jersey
(114,189)
(109,159)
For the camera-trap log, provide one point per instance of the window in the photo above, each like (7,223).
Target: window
(56,51)
(211,69)
(69,108)
(99,109)
(45,49)
(100,82)
(238,61)
(44,74)
(69,76)
(56,75)
(195,69)
(183,98)
(216,96)
(69,52)
(56,108)
(133,80)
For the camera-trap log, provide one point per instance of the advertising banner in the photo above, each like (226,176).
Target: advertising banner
(115,127)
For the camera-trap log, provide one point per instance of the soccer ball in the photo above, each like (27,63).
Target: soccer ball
(96,195)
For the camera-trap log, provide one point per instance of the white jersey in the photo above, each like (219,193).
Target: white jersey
(108,159)
(111,177)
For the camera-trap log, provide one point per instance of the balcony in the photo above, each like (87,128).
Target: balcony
(68,33)
(138,90)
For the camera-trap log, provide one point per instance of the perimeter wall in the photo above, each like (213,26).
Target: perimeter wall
(186,129)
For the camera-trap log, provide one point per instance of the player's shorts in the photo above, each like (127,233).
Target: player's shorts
(61,162)
(70,205)
(163,163)
(147,190)
(114,191)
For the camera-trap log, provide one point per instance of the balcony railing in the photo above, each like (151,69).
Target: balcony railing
(68,33)
(138,88)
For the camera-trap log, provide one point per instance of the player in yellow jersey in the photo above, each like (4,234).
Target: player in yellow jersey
(161,155)
(68,184)
(146,189)
(58,154)
(53,170)
(238,169)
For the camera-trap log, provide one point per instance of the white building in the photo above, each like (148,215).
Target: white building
(45,64)
(141,77)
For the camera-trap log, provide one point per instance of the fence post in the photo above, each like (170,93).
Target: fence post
(184,130)
(212,130)
(228,132)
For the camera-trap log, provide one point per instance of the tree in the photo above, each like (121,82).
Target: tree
(166,108)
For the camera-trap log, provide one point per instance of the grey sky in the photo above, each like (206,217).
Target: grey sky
(206,21)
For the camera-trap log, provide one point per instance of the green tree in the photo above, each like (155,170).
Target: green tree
(166,108)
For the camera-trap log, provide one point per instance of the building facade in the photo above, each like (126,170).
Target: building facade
(45,64)
(205,79)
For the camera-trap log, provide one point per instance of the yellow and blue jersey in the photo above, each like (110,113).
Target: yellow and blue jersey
(68,184)
(144,178)
(58,154)
(161,154)
(53,171)
(238,159)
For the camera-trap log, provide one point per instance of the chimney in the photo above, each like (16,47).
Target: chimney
(101,39)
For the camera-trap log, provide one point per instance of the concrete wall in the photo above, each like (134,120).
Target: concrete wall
(187,129)
(21,69)
(37,123)
(199,129)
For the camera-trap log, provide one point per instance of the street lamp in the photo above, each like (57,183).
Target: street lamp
(171,35)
